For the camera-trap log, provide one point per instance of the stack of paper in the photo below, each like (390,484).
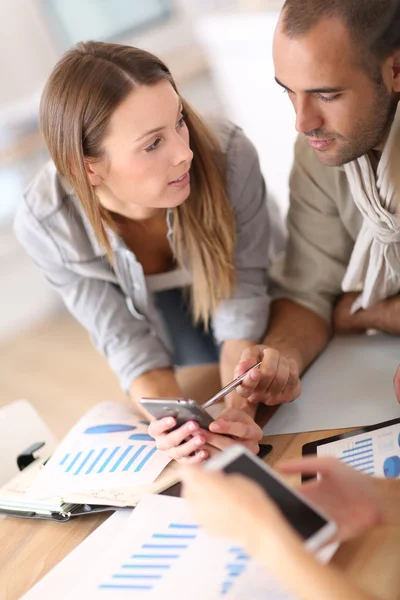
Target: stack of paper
(157,552)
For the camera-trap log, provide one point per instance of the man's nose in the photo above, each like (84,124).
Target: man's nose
(307,118)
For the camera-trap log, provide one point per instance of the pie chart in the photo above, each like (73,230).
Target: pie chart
(391,467)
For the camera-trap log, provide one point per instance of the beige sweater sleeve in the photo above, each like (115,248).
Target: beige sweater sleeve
(321,224)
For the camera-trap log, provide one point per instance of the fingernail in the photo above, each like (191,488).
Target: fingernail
(215,427)
(255,375)
(193,426)
(199,441)
(169,422)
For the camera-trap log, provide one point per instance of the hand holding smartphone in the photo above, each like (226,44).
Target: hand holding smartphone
(311,524)
(181,410)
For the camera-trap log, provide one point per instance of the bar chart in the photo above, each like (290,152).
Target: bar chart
(146,568)
(359,455)
(235,567)
(109,459)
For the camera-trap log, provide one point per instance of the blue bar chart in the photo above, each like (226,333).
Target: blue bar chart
(157,555)
(235,567)
(360,456)
(109,459)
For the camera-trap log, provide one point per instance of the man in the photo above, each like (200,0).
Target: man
(343,79)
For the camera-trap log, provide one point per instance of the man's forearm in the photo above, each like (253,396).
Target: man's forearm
(296,332)
(382,316)
(231,352)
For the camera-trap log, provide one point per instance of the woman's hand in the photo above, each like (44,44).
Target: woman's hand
(345,495)
(233,506)
(189,444)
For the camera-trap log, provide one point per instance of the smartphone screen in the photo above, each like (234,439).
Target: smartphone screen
(302,518)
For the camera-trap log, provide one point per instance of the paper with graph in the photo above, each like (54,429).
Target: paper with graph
(162,553)
(375,453)
(109,448)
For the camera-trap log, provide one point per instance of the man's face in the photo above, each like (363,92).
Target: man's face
(341,110)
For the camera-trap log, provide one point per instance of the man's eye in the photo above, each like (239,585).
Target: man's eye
(328,98)
(154,145)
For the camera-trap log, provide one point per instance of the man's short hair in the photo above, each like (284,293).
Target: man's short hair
(373,24)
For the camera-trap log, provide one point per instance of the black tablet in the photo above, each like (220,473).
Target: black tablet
(374,449)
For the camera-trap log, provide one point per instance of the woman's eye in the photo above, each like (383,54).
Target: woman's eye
(154,145)
(181,121)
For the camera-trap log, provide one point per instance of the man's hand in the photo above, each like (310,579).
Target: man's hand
(276,381)
(343,321)
(382,316)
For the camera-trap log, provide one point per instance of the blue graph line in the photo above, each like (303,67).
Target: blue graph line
(108,459)
(145,459)
(64,459)
(96,460)
(141,437)
(110,428)
(134,457)
(363,441)
(182,526)
(358,464)
(350,450)
(83,463)
(145,423)
(121,458)
(68,469)
(350,456)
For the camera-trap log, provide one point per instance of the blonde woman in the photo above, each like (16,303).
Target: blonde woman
(153,227)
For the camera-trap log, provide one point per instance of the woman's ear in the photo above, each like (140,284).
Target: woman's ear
(93,170)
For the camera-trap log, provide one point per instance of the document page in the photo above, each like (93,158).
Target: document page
(375,453)
(108,448)
(162,553)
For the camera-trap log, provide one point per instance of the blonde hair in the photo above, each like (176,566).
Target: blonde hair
(89,82)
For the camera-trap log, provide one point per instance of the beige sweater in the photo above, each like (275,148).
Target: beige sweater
(323,225)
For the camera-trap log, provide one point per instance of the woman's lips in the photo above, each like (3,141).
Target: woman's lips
(181,181)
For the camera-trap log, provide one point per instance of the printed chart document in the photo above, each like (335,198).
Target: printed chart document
(157,551)
(108,449)
(376,452)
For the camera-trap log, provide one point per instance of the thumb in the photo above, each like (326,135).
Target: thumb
(249,358)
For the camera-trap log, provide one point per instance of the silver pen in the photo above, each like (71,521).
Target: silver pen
(231,386)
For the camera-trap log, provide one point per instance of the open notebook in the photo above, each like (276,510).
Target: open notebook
(107,461)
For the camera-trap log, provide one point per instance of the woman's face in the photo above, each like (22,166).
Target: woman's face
(148,157)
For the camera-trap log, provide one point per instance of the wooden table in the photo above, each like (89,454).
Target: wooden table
(29,549)
(74,376)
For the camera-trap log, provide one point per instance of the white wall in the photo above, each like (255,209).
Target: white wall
(239,48)
(27,52)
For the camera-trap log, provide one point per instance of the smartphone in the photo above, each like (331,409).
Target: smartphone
(182,410)
(311,524)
